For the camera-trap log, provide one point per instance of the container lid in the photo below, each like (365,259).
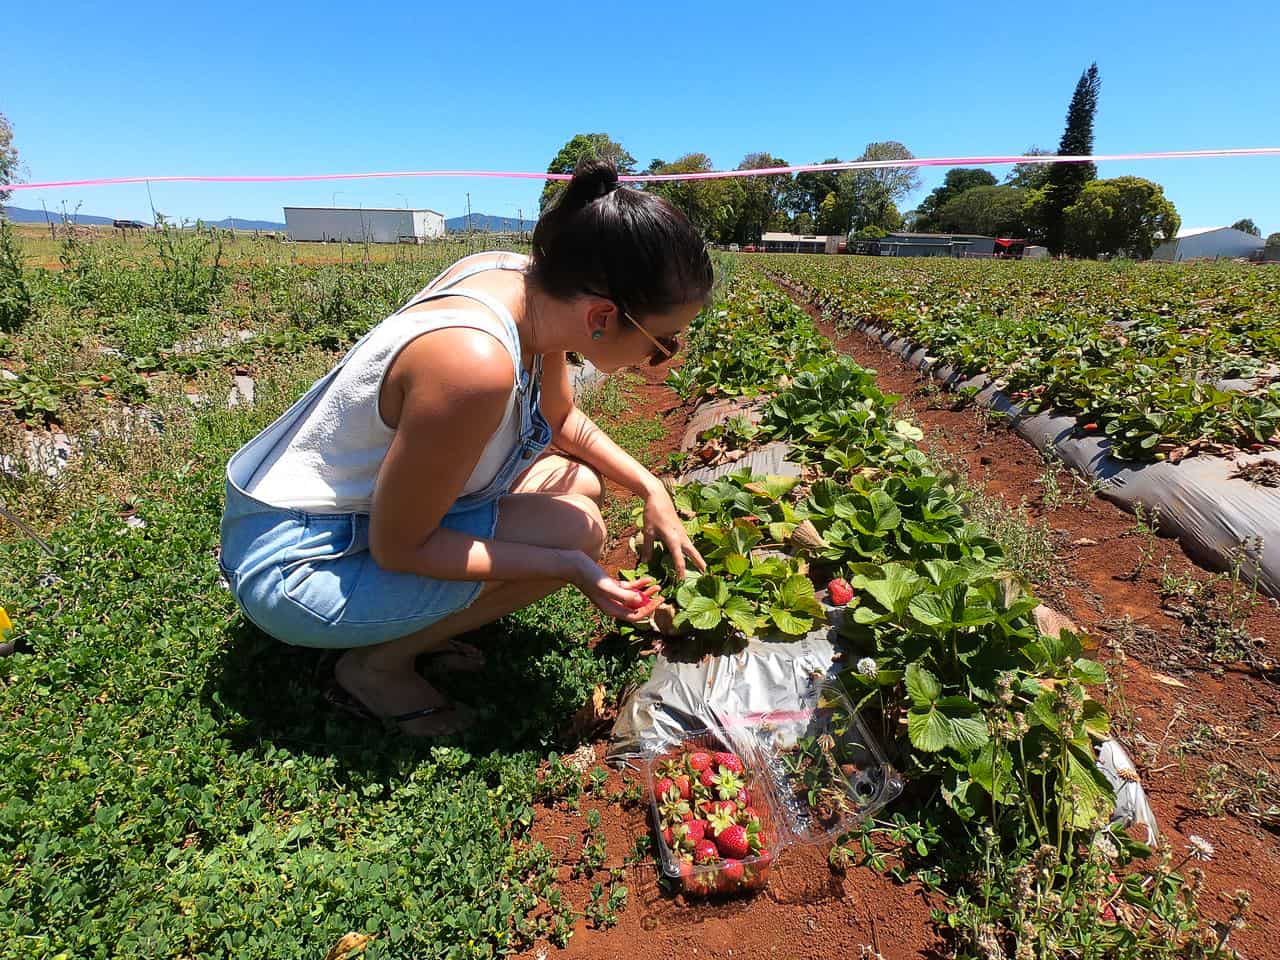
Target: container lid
(827,773)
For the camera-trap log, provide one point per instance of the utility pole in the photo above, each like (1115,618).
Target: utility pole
(52,235)
(468,214)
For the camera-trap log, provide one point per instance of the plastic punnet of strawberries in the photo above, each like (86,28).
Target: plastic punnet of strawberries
(713,829)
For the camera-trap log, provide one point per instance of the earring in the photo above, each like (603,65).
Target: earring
(597,334)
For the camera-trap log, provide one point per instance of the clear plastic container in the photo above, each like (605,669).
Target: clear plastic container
(812,774)
(826,772)
(698,879)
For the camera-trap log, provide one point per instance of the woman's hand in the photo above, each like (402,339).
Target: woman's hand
(662,522)
(630,601)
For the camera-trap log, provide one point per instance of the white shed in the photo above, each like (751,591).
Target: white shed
(1208,242)
(358,224)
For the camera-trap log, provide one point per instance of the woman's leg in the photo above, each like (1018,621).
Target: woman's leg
(551,473)
(556,473)
(384,678)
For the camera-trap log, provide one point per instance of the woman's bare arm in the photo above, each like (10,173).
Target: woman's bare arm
(455,386)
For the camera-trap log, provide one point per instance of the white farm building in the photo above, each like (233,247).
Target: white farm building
(358,224)
(1208,243)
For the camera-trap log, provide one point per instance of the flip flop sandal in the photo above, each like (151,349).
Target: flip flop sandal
(460,657)
(343,700)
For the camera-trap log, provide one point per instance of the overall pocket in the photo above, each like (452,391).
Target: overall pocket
(321,572)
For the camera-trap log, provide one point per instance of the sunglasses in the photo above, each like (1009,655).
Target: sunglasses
(666,347)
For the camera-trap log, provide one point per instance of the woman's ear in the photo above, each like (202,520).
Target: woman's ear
(598,319)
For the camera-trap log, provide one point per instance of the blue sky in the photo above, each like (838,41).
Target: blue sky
(118,90)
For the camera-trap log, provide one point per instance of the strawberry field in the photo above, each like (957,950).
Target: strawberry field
(176,785)
(1165,361)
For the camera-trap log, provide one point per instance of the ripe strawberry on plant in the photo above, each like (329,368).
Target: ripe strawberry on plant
(729,760)
(704,851)
(839,591)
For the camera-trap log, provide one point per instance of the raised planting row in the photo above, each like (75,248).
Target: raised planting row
(1165,361)
(990,720)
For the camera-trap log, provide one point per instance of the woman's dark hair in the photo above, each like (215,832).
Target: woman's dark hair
(633,247)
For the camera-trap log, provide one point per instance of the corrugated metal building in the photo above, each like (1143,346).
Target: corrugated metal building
(799,243)
(936,245)
(1208,243)
(357,225)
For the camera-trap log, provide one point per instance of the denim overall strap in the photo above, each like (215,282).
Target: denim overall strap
(245,461)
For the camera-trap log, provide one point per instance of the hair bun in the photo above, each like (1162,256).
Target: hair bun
(593,177)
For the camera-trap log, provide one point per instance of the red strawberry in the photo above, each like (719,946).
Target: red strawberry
(704,851)
(729,760)
(707,778)
(699,760)
(681,782)
(748,815)
(743,798)
(758,872)
(739,841)
(731,874)
(716,806)
(697,830)
(839,591)
(664,786)
(1090,427)
(666,835)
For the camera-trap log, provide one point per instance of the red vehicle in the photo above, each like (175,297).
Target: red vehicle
(748,248)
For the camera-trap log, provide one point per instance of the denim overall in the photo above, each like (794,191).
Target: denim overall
(308,578)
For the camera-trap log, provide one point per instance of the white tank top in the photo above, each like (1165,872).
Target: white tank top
(328,461)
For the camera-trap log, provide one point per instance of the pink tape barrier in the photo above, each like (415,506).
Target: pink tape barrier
(658,177)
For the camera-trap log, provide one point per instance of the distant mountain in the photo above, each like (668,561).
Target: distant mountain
(20,215)
(487,223)
(480,222)
(235,223)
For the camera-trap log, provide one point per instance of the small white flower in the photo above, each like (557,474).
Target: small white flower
(867,667)
(1201,849)
(1105,846)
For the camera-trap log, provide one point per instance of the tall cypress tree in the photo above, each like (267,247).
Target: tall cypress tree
(1067,180)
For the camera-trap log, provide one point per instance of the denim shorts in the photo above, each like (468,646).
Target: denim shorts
(308,578)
